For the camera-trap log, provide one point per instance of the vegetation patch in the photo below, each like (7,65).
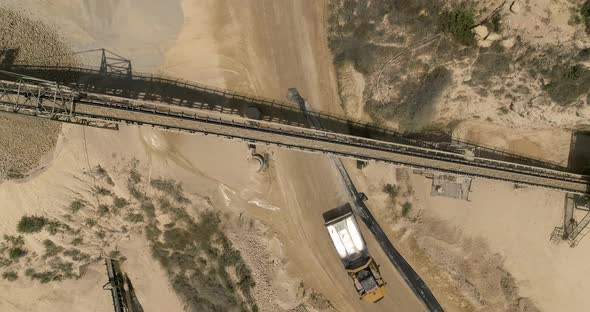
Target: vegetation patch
(585,13)
(51,249)
(198,258)
(31,224)
(120,202)
(103,210)
(489,65)
(16,253)
(101,173)
(102,191)
(55,226)
(406,208)
(10,276)
(12,249)
(89,222)
(77,241)
(569,83)
(76,205)
(171,188)
(392,191)
(76,255)
(44,276)
(134,217)
(459,23)
(204,268)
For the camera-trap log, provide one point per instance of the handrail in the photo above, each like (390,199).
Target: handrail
(161,78)
(528,173)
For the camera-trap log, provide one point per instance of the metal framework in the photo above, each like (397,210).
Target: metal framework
(21,94)
(572,230)
(115,285)
(122,291)
(112,63)
(45,99)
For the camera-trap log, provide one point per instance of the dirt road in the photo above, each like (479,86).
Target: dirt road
(285,46)
(263,47)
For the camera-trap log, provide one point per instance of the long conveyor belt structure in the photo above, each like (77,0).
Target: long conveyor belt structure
(42,98)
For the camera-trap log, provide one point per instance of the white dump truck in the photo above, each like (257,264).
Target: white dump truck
(352,250)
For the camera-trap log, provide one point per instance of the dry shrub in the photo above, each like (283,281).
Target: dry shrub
(474,269)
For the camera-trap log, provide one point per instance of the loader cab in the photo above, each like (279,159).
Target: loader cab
(368,281)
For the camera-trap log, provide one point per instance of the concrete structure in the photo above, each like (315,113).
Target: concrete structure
(451,186)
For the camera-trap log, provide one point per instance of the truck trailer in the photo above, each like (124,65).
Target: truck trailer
(352,251)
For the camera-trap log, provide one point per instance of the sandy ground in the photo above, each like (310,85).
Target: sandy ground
(468,250)
(142,29)
(26,141)
(547,144)
(284,58)
(522,222)
(226,44)
(49,193)
(265,47)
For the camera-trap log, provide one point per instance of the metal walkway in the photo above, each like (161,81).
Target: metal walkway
(41,98)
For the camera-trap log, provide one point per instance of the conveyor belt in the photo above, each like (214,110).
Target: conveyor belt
(40,100)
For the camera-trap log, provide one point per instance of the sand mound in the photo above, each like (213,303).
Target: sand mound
(24,140)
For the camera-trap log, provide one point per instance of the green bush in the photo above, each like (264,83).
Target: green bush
(196,259)
(10,276)
(17,252)
(31,224)
(459,23)
(54,227)
(103,210)
(44,276)
(101,191)
(65,267)
(102,173)
(149,209)
(76,255)
(585,12)
(16,241)
(136,193)
(76,205)
(51,249)
(152,233)
(132,185)
(120,202)
(101,234)
(391,190)
(568,82)
(134,217)
(90,222)
(134,176)
(178,239)
(170,187)
(77,241)
(406,207)
(496,23)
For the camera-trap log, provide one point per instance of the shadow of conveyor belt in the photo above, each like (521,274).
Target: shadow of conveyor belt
(134,305)
(406,271)
(174,91)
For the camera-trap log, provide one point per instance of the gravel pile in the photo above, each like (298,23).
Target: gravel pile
(23,143)
(25,140)
(25,41)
